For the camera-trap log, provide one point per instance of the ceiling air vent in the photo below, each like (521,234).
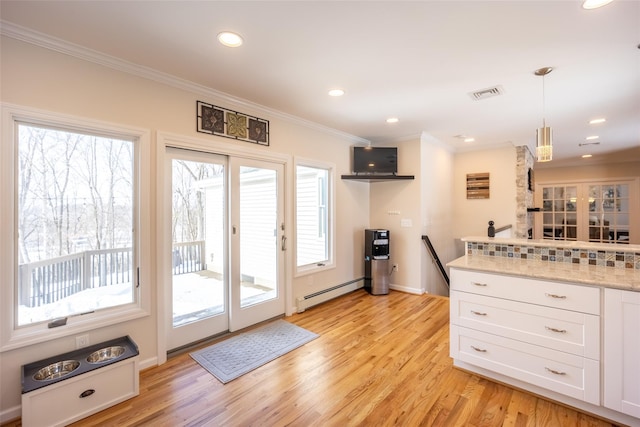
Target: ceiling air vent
(486,93)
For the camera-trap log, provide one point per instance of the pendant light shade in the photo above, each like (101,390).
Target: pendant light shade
(544,139)
(544,146)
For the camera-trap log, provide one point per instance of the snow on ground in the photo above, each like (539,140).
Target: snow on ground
(194,293)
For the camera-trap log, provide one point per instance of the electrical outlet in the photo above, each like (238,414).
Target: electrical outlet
(395,267)
(82,341)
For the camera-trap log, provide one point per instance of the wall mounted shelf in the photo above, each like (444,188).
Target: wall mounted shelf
(378,178)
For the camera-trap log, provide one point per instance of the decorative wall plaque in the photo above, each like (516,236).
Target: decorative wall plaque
(221,121)
(478,185)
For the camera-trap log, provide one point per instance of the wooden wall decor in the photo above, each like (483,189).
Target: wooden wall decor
(478,185)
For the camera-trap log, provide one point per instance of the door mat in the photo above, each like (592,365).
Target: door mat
(234,357)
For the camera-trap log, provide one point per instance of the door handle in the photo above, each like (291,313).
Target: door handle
(284,243)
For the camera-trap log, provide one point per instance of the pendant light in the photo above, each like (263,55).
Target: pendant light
(544,144)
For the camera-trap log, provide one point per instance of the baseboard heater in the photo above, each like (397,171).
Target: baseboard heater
(302,303)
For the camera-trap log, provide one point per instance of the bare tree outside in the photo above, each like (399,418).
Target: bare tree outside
(189,199)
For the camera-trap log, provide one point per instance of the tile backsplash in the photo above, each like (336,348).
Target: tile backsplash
(604,258)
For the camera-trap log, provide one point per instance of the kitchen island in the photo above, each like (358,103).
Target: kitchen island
(559,319)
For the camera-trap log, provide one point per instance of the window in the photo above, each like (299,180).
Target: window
(75,222)
(74,210)
(313,216)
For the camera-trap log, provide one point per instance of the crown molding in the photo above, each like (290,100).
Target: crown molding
(17,32)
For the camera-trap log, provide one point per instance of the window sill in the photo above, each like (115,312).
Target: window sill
(40,333)
(312,269)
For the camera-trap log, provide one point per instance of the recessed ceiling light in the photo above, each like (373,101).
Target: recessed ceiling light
(392,120)
(336,92)
(597,121)
(592,137)
(230,39)
(594,4)
(465,138)
(586,156)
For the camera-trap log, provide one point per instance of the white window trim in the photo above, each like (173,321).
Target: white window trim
(331,263)
(11,337)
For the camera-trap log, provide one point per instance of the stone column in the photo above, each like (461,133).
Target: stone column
(524,195)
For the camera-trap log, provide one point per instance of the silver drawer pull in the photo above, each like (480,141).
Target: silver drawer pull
(556,296)
(481,350)
(553,371)
(478,313)
(478,284)
(560,331)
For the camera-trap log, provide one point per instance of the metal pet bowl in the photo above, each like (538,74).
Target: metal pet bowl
(56,370)
(105,354)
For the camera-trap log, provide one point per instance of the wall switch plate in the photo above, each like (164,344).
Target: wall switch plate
(82,341)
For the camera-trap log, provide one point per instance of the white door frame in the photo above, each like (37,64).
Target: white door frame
(215,145)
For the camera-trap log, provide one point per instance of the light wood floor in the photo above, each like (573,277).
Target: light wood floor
(379,361)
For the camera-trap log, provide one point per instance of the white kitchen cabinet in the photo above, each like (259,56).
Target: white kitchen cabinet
(622,351)
(585,299)
(568,374)
(540,332)
(563,330)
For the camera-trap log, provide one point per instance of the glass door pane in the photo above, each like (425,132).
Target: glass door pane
(560,220)
(609,216)
(197,231)
(198,250)
(258,245)
(257,242)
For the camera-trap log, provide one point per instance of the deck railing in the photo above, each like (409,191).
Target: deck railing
(50,280)
(188,257)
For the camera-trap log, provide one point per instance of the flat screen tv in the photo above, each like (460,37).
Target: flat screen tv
(375,160)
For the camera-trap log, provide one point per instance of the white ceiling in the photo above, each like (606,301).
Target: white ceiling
(417,61)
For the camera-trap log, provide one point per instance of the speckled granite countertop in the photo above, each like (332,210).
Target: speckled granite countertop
(620,278)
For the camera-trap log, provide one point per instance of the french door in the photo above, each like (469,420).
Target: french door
(591,211)
(228,242)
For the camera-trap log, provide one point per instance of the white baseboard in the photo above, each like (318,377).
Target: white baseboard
(10,414)
(407,289)
(148,363)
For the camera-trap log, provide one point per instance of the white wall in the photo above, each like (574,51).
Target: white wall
(471,216)
(394,203)
(44,79)
(437,195)
(410,209)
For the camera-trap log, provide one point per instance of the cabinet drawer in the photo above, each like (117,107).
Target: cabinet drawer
(564,373)
(62,403)
(584,299)
(569,331)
